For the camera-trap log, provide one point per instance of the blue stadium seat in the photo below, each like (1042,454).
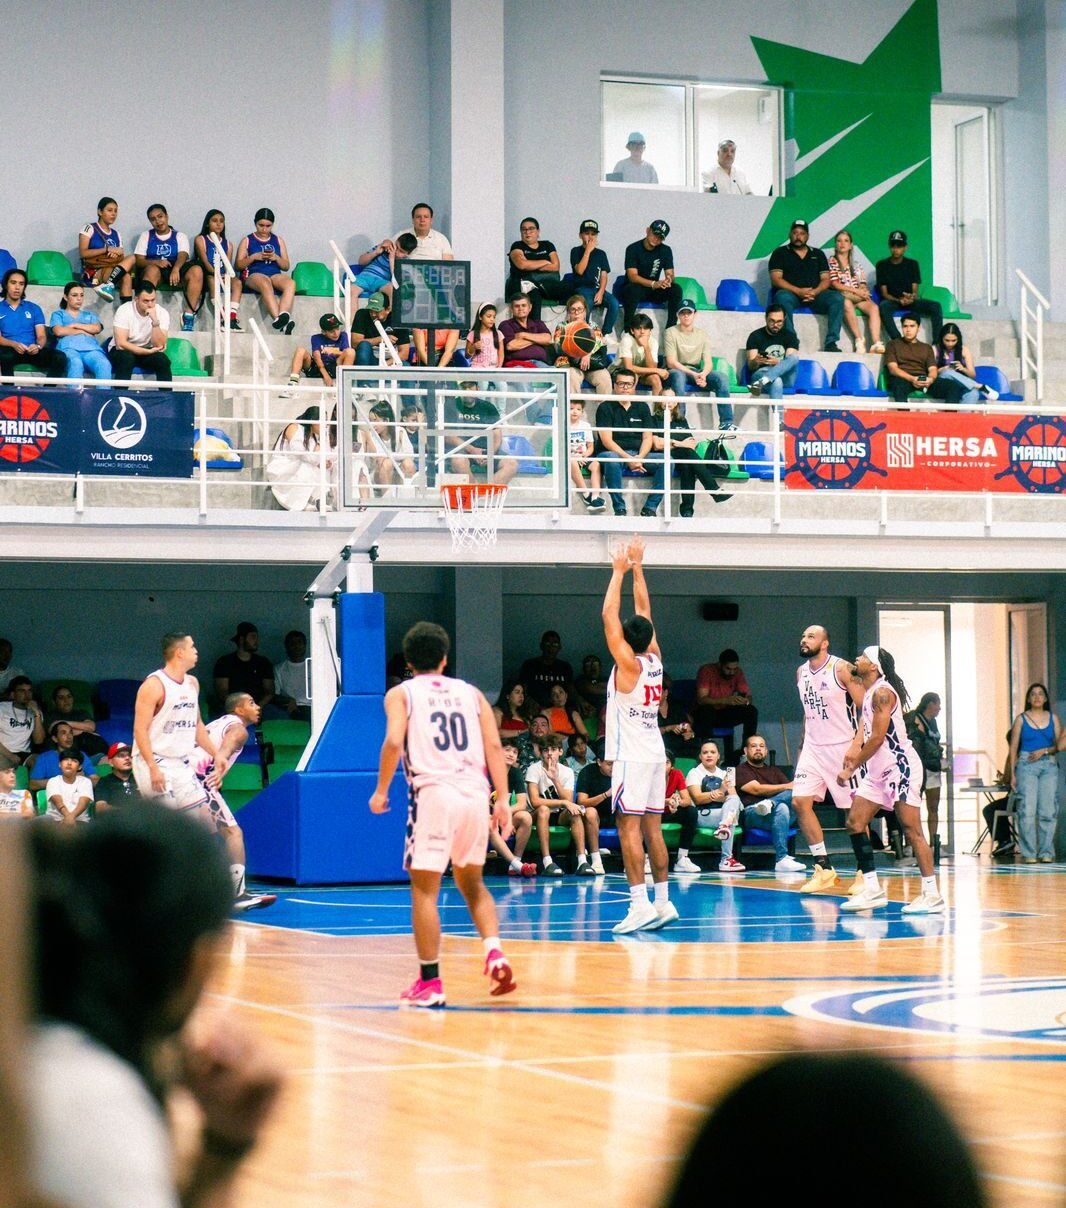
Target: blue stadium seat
(518,447)
(853,377)
(992,375)
(220,454)
(757,459)
(7,261)
(745,379)
(734,294)
(117,696)
(811,378)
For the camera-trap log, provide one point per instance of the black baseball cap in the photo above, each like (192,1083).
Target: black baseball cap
(329,321)
(897,237)
(687,304)
(590,224)
(660,227)
(799,222)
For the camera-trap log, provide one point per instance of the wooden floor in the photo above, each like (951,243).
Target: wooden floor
(585,1085)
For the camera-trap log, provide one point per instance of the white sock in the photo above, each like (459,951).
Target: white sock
(516,863)
(818,849)
(597,862)
(547,860)
(638,896)
(930,887)
(490,943)
(662,893)
(294,380)
(871,883)
(236,871)
(682,853)
(582,858)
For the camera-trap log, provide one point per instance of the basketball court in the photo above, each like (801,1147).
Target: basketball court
(586,1084)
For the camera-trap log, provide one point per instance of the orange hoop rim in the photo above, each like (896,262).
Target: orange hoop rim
(463,494)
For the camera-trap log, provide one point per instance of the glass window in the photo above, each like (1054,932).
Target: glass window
(655,113)
(737,139)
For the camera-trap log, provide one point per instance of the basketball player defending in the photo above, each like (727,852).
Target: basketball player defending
(891,780)
(634,743)
(167,729)
(229,733)
(831,697)
(445,730)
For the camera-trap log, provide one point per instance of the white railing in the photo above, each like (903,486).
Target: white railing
(222,282)
(1033,333)
(343,278)
(262,359)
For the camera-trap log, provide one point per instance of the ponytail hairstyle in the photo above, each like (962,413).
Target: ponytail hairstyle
(888,666)
(264,213)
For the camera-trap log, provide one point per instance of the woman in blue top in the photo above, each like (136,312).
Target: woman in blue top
(76,330)
(1034,742)
(206,253)
(264,260)
(105,263)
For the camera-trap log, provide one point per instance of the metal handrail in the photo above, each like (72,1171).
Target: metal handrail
(221,301)
(1033,341)
(343,277)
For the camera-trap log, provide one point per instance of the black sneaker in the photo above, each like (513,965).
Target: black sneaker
(254,901)
(686,511)
(234,324)
(648,511)
(551,870)
(755,388)
(586,498)
(290,327)
(597,504)
(619,509)
(831,347)
(722,496)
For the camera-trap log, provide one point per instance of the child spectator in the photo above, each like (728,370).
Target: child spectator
(163,250)
(75,330)
(104,261)
(379,266)
(206,254)
(579,755)
(263,259)
(638,351)
(366,339)
(14,802)
(484,343)
(329,348)
(582,447)
(69,794)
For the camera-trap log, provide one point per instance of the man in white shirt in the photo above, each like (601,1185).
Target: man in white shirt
(290,681)
(8,671)
(21,722)
(140,337)
(550,786)
(432,245)
(725,178)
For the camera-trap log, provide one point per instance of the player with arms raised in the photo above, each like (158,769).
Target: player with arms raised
(445,731)
(831,697)
(891,780)
(634,743)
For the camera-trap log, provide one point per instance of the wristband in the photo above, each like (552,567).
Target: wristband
(226,1148)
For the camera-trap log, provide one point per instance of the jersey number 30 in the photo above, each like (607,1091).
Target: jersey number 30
(451,731)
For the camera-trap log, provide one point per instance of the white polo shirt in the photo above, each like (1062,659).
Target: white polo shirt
(433,246)
(140,326)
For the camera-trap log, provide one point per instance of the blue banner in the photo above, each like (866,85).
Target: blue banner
(119,433)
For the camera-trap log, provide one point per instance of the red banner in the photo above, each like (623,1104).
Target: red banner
(924,451)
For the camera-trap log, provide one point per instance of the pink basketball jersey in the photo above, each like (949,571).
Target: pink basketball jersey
(444,744)
(830,716)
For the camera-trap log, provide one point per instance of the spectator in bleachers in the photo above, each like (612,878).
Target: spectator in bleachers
(263,259)
(105,263)
(529,741)
(849,279)
(118,789)
(526,341)
(535,270)
(711,787)
(70,794)
(75,330)
(474,424)
(45,764)
(590,686)
(512,709)
(593,786)
(766,793)
(330,347)
(378,266)
(564,717)
(955,364)
(582,447)
(386,449)
(689,360)
(675,725)
(592,366)
(14,802)
(649,271)
(291,682)
(365,337)
(684,456)
(431,244)
(8,671)
(579,755)
(910,365)
(634,169)
(206,253)
(726,178)
(542,672)
(445,342)
(294,471)
(773,354)
(21,721)
(624,437)
(163,250)
(140,336)
(550,784)
(723,697)
(521,818)
(898,281)
(80,720)
(245,669)
(638,351)
(799,276)
(484,341)
(413,419)
(23,334)
(591,274)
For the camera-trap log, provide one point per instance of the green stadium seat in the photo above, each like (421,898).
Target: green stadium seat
(691,288)
(242,776)
(671,835)
(48,268)
(683,765)
(723,365)
(184,359)
(735,474)
(42,801)
(22,777)
(592,726)
(313,279)
(948,302)
(285,732)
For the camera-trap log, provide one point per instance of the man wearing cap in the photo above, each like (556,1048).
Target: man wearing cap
(61,737)
(650,274)
(591,274)
(898,279)
(118,788)
(366,338)
(725,178)
(799,276)
(244,670)
(330,347)
(633,170)
(688,357)
(535,268)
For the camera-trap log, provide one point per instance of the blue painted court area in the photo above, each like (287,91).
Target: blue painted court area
(567,911)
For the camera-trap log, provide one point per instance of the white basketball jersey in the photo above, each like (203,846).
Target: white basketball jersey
(830,715)
(444,744)
(633,717)
(897,751)
(172,731)
(217,732)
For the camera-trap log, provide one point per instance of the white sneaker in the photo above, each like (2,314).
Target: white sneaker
(664,914)
(684,864)
(866,900)
(990,394)
(637,919)
(926,903)
(788,864)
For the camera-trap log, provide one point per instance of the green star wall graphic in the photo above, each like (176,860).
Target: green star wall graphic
(862,141)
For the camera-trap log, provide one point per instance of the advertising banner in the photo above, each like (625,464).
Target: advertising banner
(924,451)
(58,431)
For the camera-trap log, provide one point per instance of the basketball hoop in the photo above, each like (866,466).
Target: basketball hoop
(473,512)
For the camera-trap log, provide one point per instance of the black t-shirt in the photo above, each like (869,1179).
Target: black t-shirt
(117,792)
(542,252)
(632,420)
(363,325)
(804,272)
(649,262)
(598,263)
(898,278)
(773,343)
(245,675)
(516,782)
(539,678)
(591,781)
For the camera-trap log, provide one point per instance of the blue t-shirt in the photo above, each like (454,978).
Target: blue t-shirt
(598,263)
(82,342)
(47,766)
(266,268)
(18,323)
(321,342)
(378,268)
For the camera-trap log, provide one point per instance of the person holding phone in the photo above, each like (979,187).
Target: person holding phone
(909,364)
(263,261)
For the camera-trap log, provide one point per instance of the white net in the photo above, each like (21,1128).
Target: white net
(473,512)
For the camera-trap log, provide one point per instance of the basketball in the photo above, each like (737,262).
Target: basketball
(578,340)
(26,429)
